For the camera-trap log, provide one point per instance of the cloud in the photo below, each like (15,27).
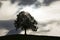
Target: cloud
(13,1)
(27,2)
(7,24)
(36,3)
(48,2)
(0,4)
(24,2)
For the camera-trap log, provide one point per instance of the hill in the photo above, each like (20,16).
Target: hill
(28,37)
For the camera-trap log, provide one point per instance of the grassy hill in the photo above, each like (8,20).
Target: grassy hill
(28,37)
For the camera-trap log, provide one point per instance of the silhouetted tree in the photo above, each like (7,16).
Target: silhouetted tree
(25,21)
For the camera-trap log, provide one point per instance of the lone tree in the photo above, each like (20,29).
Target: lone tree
(25,21)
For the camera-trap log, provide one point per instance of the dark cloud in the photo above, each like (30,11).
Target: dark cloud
(27,2)
(48,2)
(44,3)
(13,1)
(14,32)
(35,2)
(24,2)
(0,4)
(30,2)
(7,24)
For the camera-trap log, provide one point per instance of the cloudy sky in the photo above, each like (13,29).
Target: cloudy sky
(46,12)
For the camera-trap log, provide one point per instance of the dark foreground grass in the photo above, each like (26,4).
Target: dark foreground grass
(28,37)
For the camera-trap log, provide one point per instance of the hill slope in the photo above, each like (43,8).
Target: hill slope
(28,37)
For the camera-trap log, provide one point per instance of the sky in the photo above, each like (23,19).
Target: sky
(46,13)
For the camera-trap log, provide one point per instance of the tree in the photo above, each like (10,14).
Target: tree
(25,21)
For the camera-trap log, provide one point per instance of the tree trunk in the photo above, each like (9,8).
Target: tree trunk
(25,31)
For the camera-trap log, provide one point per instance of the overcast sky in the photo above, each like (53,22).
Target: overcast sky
(46,12)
